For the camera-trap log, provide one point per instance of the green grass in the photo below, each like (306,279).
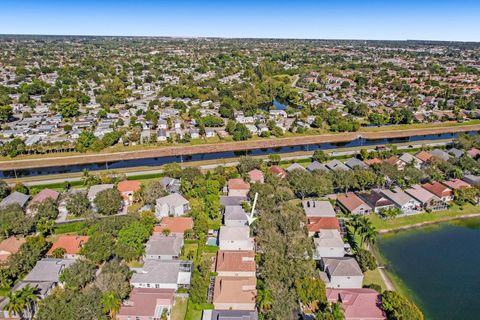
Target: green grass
(419,126)
(179,310)
(189,249)
(453,212)
(373,277)
(194,312)
(73,227)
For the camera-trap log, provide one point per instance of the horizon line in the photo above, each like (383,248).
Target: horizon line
(228,38)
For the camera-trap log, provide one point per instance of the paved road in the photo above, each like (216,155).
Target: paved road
(386,279)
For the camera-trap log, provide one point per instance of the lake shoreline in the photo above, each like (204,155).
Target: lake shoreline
(426,223)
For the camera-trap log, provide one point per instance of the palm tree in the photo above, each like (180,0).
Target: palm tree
(364,228)
(15,305)
(264,299)
(111,304)
(29,297)
(21,300)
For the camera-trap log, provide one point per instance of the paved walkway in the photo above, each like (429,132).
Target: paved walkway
(386,279)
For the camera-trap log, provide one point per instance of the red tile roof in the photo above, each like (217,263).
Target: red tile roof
(317,223)
(437,189)
(474,152)
(71,244)
(256,175)
(235,261)
(44,195)
(10,246)
(279,172)
(143,302)
(456,184)
(350,201)
(423,155)
(174,224)
(373,161)
(357,303)
(238,184)
(128,186)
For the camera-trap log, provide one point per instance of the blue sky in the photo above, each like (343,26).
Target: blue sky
(396,20)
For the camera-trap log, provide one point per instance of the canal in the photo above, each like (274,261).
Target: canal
(223,155)
(439,265)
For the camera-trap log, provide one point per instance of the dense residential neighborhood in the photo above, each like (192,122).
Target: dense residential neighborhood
(66,94)
(262,240)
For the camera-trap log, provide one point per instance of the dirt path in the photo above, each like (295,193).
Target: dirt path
(386,279)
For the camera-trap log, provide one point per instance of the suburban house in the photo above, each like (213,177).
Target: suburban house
(315,224)
(147,304)
(45,275)
(423,156)
(440,154)
(335,165)
(256,176)
(438,189)
(127,189)
(354,162)
(229,315)
(407,158)
(314,208)
(15,198)
(235,216)
(471,179)
(373,161)
(238,188)
(329,244)
(396,162)
(474,153)
(295,166)
(357,304)
(315,165)
(376,200)
(96,189)
(277,172)
(402,200)
(235,264)
(353,204)
(341,272)
(10,246)
(172,185)
(71,245)
(427,199)
(172,205)
(161,247)
(174,225)
(160,274)
(456,184)
(235,293)
(235,238)
(44,195)
(232,201)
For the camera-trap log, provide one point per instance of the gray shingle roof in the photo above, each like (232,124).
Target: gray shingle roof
(48,269)
(342,267)
(318,208)
(354,162)
(315,165)
(235,213)
(232,201)
(15,197)
(172,200)
(160,245)
(157,271)
(230,315)
(295,166)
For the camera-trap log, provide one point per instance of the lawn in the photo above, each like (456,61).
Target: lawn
(373,277)
(179,310)
(189,251)
(397,223)
(419,126)
(193,313)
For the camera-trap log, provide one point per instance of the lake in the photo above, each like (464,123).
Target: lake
(440,266)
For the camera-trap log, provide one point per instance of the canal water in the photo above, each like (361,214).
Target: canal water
(223,155)
(440,265)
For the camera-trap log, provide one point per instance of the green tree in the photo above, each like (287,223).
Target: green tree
(4,189)
(5,113)
(99,247)
(58,253)
(108,202)
(45,209)
(131,239)
(151,191)
(320,156)
(241,132)
(311,292)
(247,164)
(114,277)
(365,260)
(68,107)
(111,303)
(397,307)
(77,203)
(78,275)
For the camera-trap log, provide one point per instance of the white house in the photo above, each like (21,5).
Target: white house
(341,273)
(172,205)
(329,244)
(235,238)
